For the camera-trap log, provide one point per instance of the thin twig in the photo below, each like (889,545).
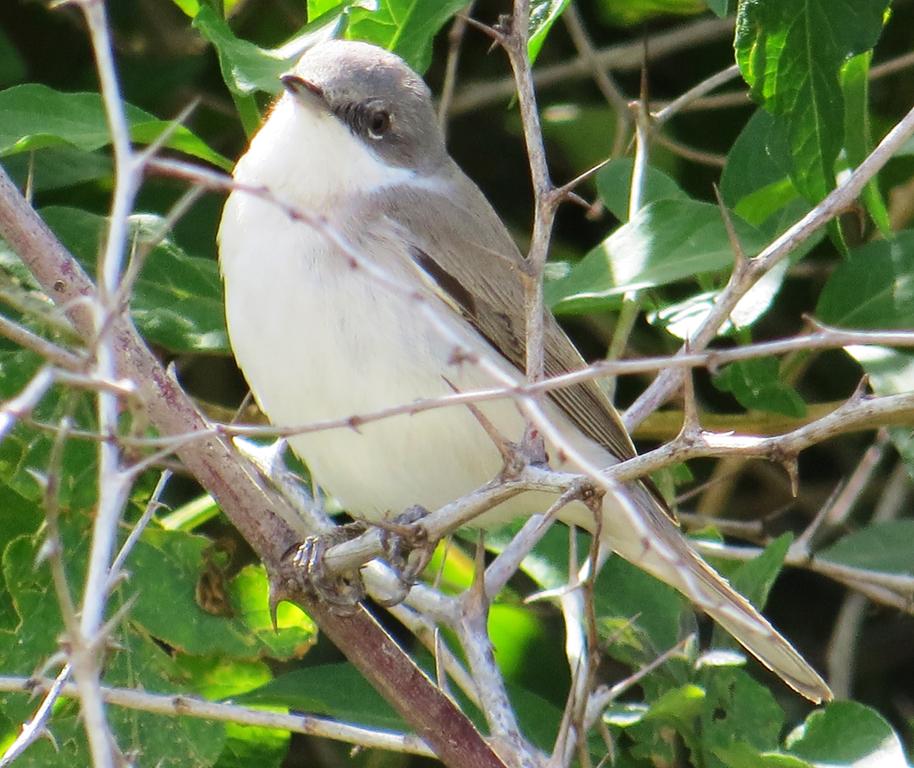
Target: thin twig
(188,706)
(838,200)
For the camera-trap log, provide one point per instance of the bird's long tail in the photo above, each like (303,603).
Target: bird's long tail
(636,526)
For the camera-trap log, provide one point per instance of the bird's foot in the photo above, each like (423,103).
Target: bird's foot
(342,592)
(407,549)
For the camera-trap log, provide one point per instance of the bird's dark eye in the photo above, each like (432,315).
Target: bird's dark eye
(378,123)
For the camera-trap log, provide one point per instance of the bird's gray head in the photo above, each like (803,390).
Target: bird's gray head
(377,96)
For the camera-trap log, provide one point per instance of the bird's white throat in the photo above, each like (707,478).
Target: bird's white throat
(310,159)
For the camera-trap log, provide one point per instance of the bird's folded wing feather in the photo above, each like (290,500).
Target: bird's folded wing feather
(476,269)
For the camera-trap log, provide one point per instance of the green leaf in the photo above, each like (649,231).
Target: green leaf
(666,241)
(755,182)
(855,82)
(722,8)
(58,167)
(629,12)
(878,547)
(406,27)
(246,68)
(25,452)
(755,578)
(756,384)
(614,182)
(873,288)
(336,690)
(247,745)
(582,133)
(132,660)
(737,710)
(791,53)
(168,567)
(543,14)
(35,116)
(849,734)
(177,301)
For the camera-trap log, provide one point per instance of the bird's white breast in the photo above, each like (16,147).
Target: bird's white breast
(319,339)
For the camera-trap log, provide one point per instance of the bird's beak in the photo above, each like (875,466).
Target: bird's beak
(306,92)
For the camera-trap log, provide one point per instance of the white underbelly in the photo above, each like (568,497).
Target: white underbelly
(317,339)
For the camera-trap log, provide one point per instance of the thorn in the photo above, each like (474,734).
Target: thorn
(492,32)
(276,595)
(859,393)
(792,468)
(690,423)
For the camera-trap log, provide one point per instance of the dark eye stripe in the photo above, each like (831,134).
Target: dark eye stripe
(357,115)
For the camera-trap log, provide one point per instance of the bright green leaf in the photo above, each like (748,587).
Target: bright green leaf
(246,68)
(759,159)
(35,116)
(755,578)
(630,12)
(737,710)
(666,241)
(543,14)
(848,734)
(169,567)
(791,53)
(406,27)
(855,82)
(247,746)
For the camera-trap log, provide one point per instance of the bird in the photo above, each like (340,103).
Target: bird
(355,143)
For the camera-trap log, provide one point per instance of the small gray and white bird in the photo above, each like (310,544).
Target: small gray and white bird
(355,140)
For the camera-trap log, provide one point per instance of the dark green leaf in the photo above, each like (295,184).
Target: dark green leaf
(336,690)
(614,182)
(666,241)
(177,300)
(737,710)
(873,288)
(406,27)
(35,116)
(758,166)
(132,660)
(757,385)
(878,547)
(849,734)
(58,167)
(755,578)
(791,53)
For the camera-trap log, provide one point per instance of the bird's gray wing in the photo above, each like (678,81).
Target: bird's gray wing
(460,244)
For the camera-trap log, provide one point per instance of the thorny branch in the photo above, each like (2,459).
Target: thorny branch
(109,338)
